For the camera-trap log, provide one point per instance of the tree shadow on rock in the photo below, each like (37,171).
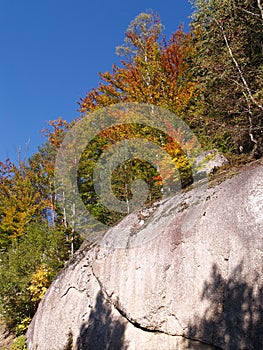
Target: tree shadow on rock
(102,331)
(234,318)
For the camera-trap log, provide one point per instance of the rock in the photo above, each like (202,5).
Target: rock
(190,277)
(208,162)
(6,338)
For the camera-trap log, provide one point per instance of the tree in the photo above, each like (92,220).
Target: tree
(228,67)
(20,200)
(27,268)
(121,177)
(43,163)
(153,71)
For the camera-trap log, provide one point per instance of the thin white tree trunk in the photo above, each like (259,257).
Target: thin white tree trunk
(249,96)
(260,9)
(238,68)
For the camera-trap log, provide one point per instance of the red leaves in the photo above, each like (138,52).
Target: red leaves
(156,73)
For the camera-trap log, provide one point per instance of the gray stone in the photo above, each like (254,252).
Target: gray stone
(208,162)
(192,286)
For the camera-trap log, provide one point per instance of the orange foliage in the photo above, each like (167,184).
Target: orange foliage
(155,75)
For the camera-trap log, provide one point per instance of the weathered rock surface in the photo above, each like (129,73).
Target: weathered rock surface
(6,338)
(209,161)
(196,284)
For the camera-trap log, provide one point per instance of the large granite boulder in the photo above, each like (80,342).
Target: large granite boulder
(188,276)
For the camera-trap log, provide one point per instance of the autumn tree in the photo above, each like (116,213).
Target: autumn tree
(44,163)
(37,234)
(153,71)
(34,238)
(122,176)
(27,268)
(20,200)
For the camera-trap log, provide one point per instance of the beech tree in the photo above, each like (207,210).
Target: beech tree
(153,71)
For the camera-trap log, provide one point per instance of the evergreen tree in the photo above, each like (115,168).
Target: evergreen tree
(228,66)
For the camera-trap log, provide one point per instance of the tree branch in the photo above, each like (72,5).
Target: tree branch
(237,66)
(260,8)
(249,12)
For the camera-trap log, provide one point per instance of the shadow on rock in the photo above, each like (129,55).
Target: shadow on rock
(102,331)
(234,319)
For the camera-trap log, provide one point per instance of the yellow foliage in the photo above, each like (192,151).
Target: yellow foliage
(23,325)
(39,283)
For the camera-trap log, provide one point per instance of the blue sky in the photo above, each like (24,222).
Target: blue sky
(51,53)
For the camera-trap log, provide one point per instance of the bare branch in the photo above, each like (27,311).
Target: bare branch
(238,68)
(260,8)
(249,12)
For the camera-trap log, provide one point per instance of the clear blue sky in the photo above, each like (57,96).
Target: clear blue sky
(51,53)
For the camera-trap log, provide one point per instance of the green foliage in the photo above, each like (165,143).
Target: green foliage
(228,66)
(132,168)
(121,177)
(21,282)
(19,343)
(212,78)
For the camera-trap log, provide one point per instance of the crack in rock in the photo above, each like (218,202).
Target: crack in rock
(72,287)
(136,324)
